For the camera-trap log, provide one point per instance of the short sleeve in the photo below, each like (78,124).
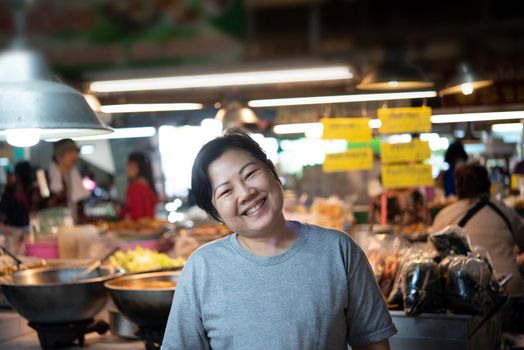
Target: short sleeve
(368,318)
(185,329)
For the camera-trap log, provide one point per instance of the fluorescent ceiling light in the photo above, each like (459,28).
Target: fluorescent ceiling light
(121,133)
(87,149)
(298,128)
(150,107)
(296,101)
(507,127)
(475,117)
(224,79)
(312,129)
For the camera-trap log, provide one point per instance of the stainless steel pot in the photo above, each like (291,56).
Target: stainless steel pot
(120,326)
(146,306)
(50,294)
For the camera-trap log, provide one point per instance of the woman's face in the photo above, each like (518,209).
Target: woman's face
(68,160)
(131,169)
(246,195)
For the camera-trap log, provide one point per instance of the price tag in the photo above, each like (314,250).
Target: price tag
(398,176)
(404,120)
(415,150)
(353,159)
(351,129)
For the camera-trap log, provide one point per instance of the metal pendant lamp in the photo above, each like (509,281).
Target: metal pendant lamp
(234,114)
(394,75)
(465,81)
(33,105)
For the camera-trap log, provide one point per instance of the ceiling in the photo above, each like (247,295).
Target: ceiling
(103,39)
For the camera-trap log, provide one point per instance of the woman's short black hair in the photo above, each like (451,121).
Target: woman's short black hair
(145,169)
(472,180)
(25,174)
(200,181)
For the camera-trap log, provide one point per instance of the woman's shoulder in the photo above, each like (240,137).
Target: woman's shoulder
(138,182)
(211,250)
(139,185)
(325,234)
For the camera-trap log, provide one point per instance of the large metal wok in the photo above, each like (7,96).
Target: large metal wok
(142,300)
(52,295)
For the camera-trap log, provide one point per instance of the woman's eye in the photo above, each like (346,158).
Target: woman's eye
(251,173)
(224,193)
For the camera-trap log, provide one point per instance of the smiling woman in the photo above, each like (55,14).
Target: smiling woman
(273,284)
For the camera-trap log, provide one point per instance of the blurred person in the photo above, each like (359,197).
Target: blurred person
(303,286)
(519,168)
(141,196)
(65,182)
(15,203)
(454,156)
(489,224)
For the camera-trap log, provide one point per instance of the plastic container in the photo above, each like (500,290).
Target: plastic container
(45,250)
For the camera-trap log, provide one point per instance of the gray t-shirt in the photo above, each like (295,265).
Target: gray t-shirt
(319,294)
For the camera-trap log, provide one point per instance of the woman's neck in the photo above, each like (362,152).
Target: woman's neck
(272,245)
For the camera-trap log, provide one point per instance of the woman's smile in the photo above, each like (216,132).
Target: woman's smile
(255,208)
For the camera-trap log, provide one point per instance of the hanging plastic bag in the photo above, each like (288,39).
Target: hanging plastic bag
(452,240)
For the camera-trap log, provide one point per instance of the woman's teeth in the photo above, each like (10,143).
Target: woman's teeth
(255,208)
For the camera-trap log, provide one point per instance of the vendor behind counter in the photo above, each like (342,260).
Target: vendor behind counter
(490,225)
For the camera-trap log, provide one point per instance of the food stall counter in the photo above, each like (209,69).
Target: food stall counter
(446,331)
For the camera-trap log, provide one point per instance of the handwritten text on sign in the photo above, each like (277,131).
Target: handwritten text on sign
(398,176)
(351,129)
(415,150)
(353,159)
(401,120)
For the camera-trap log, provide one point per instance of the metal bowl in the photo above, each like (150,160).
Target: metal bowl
(138,299)
(51,295)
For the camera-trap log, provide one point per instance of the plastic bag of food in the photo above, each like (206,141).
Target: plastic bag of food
(452,240)
(469,285)
(416,251)
(421,286)
(384,253)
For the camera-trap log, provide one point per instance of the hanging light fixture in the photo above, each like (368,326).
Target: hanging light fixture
(394,75)
(32,105)
(234,114)
(465,81)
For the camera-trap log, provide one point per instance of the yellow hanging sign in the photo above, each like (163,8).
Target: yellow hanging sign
(406,119)
(517,181)
(398,176)
(351,129)
(415,150)
(353,159)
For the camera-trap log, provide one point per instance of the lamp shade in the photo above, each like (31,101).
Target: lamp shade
(394,75)
(30,99)
(465,81)
(234,114)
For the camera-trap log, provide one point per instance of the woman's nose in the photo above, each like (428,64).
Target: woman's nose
(245,192)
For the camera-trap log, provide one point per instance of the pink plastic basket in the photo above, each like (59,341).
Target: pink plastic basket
(45,250)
